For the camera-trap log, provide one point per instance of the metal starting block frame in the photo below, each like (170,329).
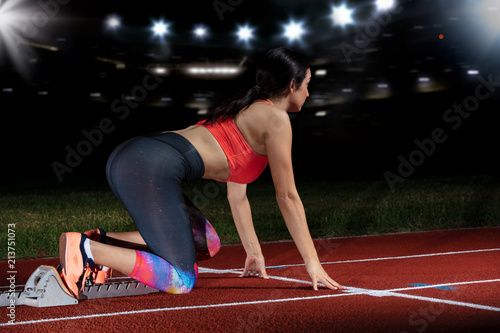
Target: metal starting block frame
(45,288)
(116,288)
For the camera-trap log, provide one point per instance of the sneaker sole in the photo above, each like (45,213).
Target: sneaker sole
(63,251)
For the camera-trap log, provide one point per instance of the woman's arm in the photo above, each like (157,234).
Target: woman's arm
(242,216)
(278,139)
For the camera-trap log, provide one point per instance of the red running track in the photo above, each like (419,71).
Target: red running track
(444,281)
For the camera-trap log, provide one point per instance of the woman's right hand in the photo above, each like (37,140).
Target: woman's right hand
(255,266)
(318,274)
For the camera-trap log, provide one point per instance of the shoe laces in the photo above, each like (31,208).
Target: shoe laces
(94,272)
(87,272)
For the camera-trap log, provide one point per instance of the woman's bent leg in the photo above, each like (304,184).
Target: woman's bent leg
(158,273)
(117,258)
(145,173)
(126,239)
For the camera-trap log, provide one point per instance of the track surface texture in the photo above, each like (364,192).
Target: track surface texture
(441,281)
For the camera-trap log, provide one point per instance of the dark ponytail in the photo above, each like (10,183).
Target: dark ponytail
(274,73)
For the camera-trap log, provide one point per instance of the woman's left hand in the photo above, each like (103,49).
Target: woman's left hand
(255,266)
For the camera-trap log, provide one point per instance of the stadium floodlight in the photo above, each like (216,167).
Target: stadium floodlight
(160,28)
(14,30)
(217,70)
(8,19)
(341,15)
(321,72)
(113,22)
(4,18)
(293,30)
(383,5)
(160,70)
(245,33)
(200,31)
(490,11)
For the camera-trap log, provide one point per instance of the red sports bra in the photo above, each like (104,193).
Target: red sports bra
(245,165)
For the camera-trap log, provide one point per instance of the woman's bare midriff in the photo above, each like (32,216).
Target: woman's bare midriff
(216,164)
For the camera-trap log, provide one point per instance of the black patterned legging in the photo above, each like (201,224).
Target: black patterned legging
(145,173)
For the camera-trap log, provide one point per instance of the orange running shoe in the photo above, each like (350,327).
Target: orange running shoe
(100,274)
(75,266)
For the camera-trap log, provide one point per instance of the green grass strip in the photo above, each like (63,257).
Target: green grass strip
(41,211)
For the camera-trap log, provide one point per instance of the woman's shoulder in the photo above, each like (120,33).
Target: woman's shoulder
(262,110)
(257,114)
(264,119)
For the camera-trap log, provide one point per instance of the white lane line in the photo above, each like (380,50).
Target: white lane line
(446,301)
(411,256)
(385,293)
(282,278)
(392,292)
(349,291)
(389,292)
(395,258)
(444,285)
(240,270)
(38,321)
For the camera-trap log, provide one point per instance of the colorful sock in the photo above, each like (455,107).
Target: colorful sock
(158,273)
(212,239)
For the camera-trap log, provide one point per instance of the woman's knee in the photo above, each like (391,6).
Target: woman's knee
(185,282)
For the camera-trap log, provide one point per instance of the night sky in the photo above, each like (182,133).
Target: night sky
(417,83)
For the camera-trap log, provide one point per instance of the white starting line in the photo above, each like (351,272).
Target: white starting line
(348,291)
(383,293)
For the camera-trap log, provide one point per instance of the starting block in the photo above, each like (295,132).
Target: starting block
(45,288)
